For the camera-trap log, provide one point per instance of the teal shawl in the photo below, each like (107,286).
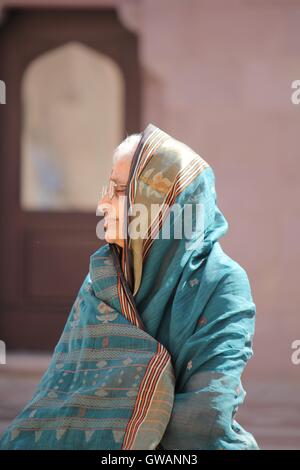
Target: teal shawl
(159,334)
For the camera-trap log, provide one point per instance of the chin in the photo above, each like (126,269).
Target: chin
(112,240)
(108,239)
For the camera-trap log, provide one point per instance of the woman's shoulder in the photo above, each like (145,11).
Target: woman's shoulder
(231,272)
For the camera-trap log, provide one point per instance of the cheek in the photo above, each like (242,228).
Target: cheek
(121,218)
(120,211)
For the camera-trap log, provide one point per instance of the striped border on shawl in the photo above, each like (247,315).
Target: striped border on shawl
(160,365)
(182,180)
(156,367)
(152,142)
(127,308)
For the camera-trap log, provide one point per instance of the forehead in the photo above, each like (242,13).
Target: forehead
(120,171)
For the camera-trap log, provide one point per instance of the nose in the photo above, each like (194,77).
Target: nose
(103,207)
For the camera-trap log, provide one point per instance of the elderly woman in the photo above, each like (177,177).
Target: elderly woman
(158,337)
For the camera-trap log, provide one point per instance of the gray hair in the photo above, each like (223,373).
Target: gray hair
(127,147)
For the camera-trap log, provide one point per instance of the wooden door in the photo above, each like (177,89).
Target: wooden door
(45,252)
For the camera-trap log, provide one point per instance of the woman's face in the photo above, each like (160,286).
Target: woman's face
(114,208)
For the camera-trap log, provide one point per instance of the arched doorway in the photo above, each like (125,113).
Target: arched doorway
(72,94)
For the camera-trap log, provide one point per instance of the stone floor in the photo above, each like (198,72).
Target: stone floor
(271,410)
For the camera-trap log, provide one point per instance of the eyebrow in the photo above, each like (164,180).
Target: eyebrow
(115,180)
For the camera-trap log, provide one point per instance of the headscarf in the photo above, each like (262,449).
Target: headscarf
(160,332)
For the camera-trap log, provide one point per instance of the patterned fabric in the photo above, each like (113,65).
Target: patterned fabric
(160,332)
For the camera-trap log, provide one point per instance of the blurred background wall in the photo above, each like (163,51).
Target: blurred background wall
(80,76)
